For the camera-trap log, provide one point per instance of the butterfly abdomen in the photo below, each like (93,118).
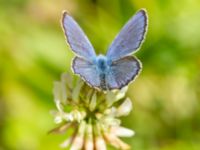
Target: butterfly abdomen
(102,77)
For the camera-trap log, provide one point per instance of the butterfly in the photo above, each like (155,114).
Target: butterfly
(117,68)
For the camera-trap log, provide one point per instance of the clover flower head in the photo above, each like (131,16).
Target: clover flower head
(90,118)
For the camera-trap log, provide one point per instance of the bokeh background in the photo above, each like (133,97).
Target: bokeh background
(33,54)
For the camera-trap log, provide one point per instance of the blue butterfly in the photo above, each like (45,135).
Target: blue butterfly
(117,68)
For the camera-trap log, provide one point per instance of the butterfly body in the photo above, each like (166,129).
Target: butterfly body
(117,68)
(103,66)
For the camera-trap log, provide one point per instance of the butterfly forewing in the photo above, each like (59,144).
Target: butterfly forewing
(76,38)
(130,37)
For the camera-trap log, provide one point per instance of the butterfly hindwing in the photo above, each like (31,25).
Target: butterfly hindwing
(122,72)
(87,71)
(76,38)
(130,37)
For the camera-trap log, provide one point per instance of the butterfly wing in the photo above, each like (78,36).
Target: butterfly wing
(130,37)
(123,71)
(76,38)
(86,70)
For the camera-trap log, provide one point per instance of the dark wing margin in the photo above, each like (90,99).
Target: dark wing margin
(87,71)
(76,38)
(122,72)
(130,37)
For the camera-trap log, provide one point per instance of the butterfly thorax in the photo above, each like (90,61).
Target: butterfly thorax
(102,64)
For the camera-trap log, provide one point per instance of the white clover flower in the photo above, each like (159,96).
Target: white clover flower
(91,116)
(125,108)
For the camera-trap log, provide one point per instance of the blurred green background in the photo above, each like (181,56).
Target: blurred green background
(33,53)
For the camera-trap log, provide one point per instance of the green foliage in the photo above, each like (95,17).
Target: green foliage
(33,53)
